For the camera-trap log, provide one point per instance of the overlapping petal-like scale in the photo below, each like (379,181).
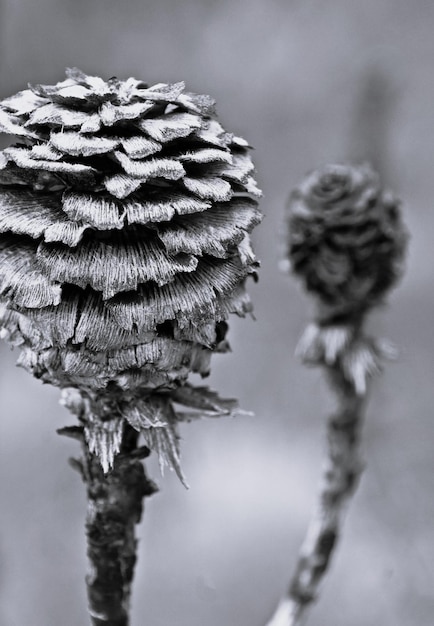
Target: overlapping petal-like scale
(197,103)
(206,155)
(169,169)
(28,213)
(23,102)
(161,92)
(98,210)
(56,323)
(23,158)
(113,267)
(11,124)
(68,93)
(21,280)
(38,215)
(92,124)
(161,206)
(163,359)
(121,185)
(78,369)
(97,84)
(213,232)
(56,115)
(81,318)
(209,188)
(246,252)
(165,355)
(190,296)
(79,144)
(95,328)
(251,187)
(171,126)
(45,152)
(213,133)
(240,169)
(19,329)
(111,113)
(139,146)
(65,231)
(208,334)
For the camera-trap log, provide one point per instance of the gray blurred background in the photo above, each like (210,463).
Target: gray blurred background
(306,82)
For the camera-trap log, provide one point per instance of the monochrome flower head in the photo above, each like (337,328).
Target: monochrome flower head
(345,240)
(125,220)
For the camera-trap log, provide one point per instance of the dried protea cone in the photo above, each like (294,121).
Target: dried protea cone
(346,240)
(125,213)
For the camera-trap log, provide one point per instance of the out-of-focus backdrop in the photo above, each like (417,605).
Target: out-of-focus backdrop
(306,82)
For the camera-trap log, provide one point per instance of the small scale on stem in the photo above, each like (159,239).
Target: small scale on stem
(346,241)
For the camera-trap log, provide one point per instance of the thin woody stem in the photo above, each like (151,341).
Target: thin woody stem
(115,505)
(340,478)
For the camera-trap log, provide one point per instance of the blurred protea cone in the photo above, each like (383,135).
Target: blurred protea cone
(125,213)
(346,240)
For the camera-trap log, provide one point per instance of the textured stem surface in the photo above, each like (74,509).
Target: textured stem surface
(340,478)
(115,504)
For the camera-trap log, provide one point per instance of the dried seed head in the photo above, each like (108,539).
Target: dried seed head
(346,240)
(125,214)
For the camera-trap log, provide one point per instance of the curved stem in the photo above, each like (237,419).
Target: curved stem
(340,478)
(115,505)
